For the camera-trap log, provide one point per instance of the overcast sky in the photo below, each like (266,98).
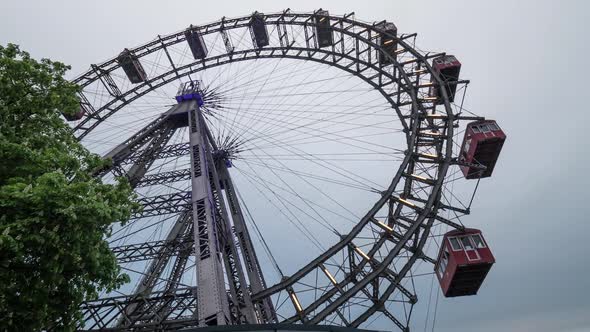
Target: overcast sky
(528,63)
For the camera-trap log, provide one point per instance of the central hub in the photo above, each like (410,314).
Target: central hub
(223,156)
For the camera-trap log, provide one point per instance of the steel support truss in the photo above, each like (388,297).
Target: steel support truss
(181,311)
(202,230)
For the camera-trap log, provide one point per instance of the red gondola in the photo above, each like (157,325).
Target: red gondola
(132,67)
(387,41)
(258,30)
(323,29)
(76,116)
(481,146)
(196,43)
(463,262)
(447,67)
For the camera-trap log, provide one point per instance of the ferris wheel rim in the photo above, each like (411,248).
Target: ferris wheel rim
(108,66)
(411,132)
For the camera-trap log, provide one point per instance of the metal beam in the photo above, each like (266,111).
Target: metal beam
(253,269)
(100,315)
(146,285)
(149,250)
(213,303)
(164,204)
(165,177)
(265,307)
(139,168)
(233,261)
(107,81)
(174,150)
(122,151)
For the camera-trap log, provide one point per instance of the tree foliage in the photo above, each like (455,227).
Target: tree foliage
(54,216)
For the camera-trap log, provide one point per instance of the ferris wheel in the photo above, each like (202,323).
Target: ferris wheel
(297,168)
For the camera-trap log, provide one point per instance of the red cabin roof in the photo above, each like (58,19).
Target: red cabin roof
(463,262)
(481,146)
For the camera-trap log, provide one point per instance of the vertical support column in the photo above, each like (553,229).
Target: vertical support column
(213,308)
(264,309)
(255,276)
(241,302)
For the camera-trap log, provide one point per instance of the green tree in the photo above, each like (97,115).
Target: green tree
(54,216)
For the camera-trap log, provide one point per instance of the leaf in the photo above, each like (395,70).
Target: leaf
(54,216)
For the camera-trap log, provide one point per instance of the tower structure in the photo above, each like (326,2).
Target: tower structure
(215,242)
